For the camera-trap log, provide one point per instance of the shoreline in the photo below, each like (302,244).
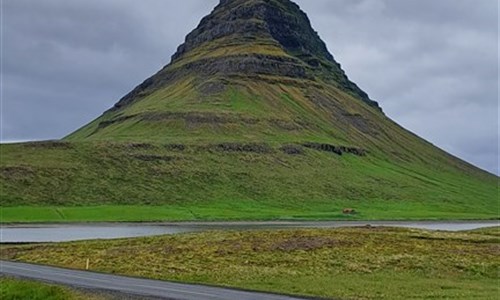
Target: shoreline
(247,223)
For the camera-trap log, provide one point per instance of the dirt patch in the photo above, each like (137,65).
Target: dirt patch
(492,249)
(8,253)
(303,243)
(18,172)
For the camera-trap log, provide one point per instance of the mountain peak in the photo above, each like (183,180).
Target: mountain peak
(242,51)
(253,38)
(279,20)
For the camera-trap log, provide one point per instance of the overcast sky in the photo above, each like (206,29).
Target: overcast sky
(432,64)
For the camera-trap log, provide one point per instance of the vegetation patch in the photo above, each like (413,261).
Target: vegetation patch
(139,146)
(17,289)
(18,172)
(347,263)
(152,158)
(175,147)
(105,123)
(230,179)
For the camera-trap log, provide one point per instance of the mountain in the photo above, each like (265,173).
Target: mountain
(252,118)
(251,70)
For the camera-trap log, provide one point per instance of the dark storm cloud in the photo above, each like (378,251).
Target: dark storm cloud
(433,65)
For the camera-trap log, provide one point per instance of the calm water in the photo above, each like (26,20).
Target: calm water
(62,233)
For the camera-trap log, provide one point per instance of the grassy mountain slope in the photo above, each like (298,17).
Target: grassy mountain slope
(252,119)
(208,183)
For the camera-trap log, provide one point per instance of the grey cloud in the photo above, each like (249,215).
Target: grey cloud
(65,62)
(433,65)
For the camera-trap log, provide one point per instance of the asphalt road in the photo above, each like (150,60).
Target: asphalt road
(128,285)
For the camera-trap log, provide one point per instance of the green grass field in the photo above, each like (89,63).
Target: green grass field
(348,263)
(223,212)
(104,181)
(17,289)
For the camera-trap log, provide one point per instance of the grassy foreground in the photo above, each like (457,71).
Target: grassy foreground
(15,289)
(348,263)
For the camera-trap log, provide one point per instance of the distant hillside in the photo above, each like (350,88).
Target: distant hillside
(253,118)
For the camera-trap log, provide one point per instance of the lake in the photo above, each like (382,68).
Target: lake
(78,232)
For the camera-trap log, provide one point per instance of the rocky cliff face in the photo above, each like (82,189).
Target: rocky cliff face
(278,20)
(252,37)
